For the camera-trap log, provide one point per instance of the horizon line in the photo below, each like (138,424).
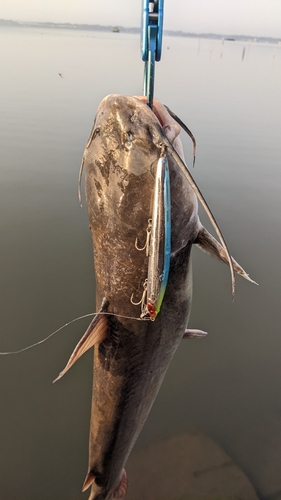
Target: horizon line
(138,29)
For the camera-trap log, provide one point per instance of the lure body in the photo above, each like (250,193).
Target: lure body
(160,240)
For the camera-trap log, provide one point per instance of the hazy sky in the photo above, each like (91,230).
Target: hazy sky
(250,17)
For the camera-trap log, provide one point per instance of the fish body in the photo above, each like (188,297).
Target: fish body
(129,365)
(131,355)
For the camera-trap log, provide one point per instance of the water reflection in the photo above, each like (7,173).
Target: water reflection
(227,385)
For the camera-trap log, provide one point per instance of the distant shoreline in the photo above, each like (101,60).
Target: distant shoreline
(121,29)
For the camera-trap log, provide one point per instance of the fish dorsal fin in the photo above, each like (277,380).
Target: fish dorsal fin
(206,242)
(159,139)
(95,333)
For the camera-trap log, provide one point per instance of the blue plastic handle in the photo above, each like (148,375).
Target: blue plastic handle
(144,31)
(154,18)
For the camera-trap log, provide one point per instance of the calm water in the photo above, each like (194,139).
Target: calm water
(227,385)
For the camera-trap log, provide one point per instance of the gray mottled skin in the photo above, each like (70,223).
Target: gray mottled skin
(129,365)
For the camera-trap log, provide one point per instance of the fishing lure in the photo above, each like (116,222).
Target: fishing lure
(158,244)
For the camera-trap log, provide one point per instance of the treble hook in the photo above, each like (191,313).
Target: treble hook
(147,242)
(142,300)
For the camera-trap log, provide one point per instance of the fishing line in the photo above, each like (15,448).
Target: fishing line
(64,326)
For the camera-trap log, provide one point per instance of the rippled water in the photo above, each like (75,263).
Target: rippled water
(227,385)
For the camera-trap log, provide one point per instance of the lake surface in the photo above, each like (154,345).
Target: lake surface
(228,385)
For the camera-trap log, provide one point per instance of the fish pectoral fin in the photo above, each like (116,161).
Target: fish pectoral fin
(88,481)
(95,333)
(206,242)
(194,334)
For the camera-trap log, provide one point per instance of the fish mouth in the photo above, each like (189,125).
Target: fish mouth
(170,127)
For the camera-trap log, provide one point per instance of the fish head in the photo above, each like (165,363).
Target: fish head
(122,126)
(121,156)
(120,161)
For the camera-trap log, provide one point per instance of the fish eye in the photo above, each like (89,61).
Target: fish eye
(96,132)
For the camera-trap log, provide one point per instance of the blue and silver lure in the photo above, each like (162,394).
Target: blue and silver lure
(160,241)
(158,244)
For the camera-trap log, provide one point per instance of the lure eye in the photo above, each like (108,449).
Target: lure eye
(151,309)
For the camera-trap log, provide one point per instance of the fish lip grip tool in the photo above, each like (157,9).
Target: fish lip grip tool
(151,43)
